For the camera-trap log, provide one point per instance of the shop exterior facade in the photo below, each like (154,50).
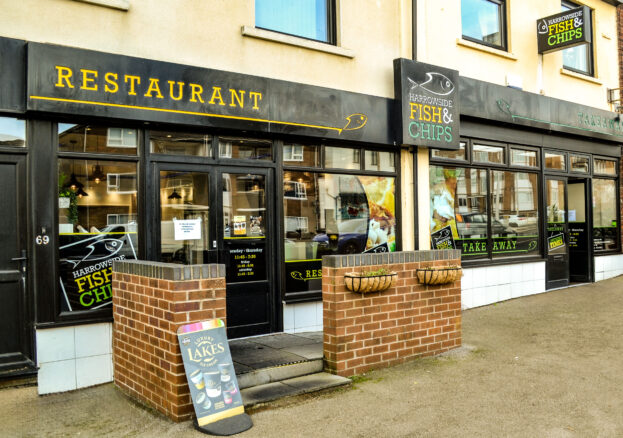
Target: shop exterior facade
(128,157)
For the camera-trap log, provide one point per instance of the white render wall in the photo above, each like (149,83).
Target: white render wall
(608,266)
(302,317)
(74,357)
(491,284)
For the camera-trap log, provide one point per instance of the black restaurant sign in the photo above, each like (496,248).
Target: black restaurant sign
(428,100)
(563,30)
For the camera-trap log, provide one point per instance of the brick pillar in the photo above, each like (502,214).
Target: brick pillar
(377,330)
(150,301)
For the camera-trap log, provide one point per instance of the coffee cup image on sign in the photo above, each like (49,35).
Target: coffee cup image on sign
(197,378)
(212,381)
(227,398)
(225,370)
(201,398)
(230,387)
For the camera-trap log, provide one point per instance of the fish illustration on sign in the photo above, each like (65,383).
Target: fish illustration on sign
(542,27)
(435,83)
(101,249)
(355,121)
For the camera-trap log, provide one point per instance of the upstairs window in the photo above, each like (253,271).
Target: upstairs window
(484,21)
(579,58)
(311,19)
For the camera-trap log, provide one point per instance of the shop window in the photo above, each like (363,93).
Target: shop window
(339,214)
(311,19)
(605,167)
(605,225)
(579,58)
(514,214)
(579,163)
(97,139)
(484,21)
(488,154)
(301,155)
(245,148)
(380,161)
(523,157)
(177,143)
(342,158)
(96,226)
(448,154)
(555,161)
(12,132)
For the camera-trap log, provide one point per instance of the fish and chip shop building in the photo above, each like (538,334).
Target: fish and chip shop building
(107,157)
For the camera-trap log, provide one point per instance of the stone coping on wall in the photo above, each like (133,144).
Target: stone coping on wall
(344,261)
(169,271)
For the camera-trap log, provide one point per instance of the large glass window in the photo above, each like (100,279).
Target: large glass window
(605,226)
(522,157)
(301,155)
(245,148)
(514,213)
(334,214)
(311,19)
(449,154)
(488,154)
(579,163)
(177,143)
(97,139)
(342,158)
(578,58)
(484,21)
(97,224)
(12,132)
(555,161)
(605,167)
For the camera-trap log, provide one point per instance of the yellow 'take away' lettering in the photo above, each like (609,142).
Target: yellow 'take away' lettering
(112,82)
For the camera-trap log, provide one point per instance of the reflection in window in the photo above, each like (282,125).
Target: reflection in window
(184,207)
(488,154)
(458,208)
(578,58)
(605,167)
(449,154)
(522,157)
(310,19)
(245,148)
(97,139)
(514,213)
(380,161)
(555,161)
(300,155)
(342,158)
(483,21)
(605,227)
(177,143)
(579,163)
(12,132)
(244,206)
(96,225)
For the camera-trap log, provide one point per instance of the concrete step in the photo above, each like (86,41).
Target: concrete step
(289,387)
(278,373)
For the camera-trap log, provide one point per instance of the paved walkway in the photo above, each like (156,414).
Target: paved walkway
(549,365)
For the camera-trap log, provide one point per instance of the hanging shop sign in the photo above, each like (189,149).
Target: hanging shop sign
(428,100)
(211,376)
(563,30)
(66,80)
(85,267)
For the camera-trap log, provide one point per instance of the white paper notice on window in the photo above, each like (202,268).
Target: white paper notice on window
(187,229)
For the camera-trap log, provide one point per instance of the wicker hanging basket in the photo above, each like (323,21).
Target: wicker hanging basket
(439,275)
(361,283)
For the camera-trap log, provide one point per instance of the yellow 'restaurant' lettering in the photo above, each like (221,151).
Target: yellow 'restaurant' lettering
(133,85)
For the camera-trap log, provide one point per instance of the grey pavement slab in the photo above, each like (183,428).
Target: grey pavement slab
(310,351)
(281,340)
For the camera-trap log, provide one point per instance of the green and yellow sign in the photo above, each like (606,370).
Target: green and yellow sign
(563,30)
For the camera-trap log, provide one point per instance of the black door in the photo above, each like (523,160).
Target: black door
(557,243)
(15,318)
(580,248)
(245,239)
(223,216)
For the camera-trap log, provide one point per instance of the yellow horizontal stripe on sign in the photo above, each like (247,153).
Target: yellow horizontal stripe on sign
(220,416)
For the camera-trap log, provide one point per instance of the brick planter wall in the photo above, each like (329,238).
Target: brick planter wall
(150,301)
(376,330)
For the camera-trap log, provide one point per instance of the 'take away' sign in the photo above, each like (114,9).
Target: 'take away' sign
(428,100)
(563,30)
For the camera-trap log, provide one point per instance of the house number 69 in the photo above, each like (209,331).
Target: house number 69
(42,240)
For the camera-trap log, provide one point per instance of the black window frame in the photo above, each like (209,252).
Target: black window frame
(503,28)
(331,26)
(590,58)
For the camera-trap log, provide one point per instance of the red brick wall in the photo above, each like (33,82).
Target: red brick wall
(147,310)
(381,329)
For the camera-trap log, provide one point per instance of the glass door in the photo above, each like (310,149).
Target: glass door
(557,245)
(580,248)
(245,247)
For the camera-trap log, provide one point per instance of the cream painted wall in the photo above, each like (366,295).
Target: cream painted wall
(442,45)
(208,34)
(423,196)
(407,201)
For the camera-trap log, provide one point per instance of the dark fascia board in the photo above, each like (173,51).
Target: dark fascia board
(13,72)
(613,2)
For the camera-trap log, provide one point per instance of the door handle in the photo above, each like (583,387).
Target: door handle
(19,259)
